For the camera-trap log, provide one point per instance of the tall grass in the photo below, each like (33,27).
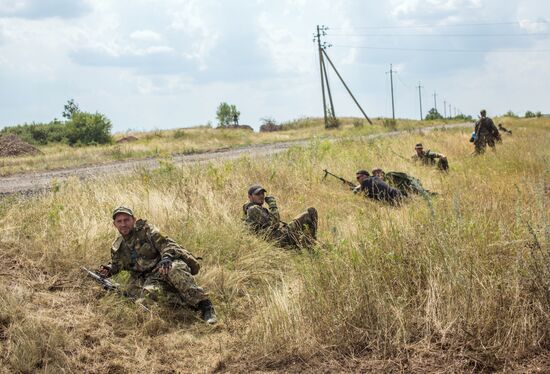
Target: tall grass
(463,277)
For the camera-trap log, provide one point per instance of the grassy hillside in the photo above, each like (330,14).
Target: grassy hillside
(164,143)
(456,284)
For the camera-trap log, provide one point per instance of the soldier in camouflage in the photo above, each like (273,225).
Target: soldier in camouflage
(403,182)
(159,268)
(266,222)
(376,189)
(486,133)
(428,158)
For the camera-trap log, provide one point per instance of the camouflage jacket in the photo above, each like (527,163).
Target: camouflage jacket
(427,157)
(263,221)
(377,189)
(144,248)
(486,127)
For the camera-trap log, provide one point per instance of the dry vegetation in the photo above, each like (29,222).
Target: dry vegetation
(458,284)
(183,141)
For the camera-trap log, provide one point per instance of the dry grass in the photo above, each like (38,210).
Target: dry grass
(459,284)
(183,141)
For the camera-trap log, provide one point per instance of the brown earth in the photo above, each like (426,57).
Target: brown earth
(12,146)
(127,139)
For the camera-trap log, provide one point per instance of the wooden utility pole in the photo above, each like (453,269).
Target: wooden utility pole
(420,99)
(345,85)
(391,85)
(321,64)
(435,101)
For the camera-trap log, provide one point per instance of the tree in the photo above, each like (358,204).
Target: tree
(88,129)
(70,109)
(227,114)
(510,114)
(529,114)
(433,114)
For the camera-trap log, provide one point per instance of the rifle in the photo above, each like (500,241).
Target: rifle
(108,285)
(345,181)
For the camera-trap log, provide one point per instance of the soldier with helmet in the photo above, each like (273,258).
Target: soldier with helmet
(158,266)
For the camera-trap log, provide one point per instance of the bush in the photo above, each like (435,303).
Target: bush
(86,128)
(389,123)
(530,114)
(510,114)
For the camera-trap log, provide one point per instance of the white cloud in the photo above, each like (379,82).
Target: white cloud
(146,36)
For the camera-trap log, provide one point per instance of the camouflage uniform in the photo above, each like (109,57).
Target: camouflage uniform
(140,254)
(486,133)
(406,184)
(428,158)
(300,232)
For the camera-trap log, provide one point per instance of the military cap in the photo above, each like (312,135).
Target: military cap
(255,189)
(123,209)
(483,112)
(363,172)
(419,145)
(376,170)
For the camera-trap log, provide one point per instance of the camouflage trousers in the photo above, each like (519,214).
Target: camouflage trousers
(301,231)
(483,141)
(177,287)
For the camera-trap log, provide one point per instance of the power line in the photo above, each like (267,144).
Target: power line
(445,50)
(453,35)
(435,26)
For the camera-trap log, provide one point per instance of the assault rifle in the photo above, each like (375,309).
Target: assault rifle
(345,181)
(109,286)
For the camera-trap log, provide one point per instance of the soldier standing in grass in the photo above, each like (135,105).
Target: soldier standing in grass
(428,158)
(266,222)
(375,188)
(486,133)
(159,267)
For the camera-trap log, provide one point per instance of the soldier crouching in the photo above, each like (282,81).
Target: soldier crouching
(159,268)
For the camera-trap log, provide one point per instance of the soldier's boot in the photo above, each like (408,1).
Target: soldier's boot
(208,314)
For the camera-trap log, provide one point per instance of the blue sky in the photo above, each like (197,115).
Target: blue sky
(168,63)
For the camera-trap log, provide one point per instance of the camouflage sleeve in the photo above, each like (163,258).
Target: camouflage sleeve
(169,248)
(431,154)
(273,209)
(116,263)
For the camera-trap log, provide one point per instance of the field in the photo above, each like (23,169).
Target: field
(185,141)
(459,283)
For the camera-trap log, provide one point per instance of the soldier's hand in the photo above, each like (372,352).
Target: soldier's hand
(104,271)
(270,200)
(165,265)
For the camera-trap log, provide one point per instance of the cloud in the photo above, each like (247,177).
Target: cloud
(146,36)
(37,9)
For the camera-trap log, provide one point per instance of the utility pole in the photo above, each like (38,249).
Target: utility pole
(346,86)
(420,99)
(391,85)
(322,29)
(435,101)
(444,109)
(450,114)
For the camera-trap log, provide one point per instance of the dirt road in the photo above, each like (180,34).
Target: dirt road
(37,181)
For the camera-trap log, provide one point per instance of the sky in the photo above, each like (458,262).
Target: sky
(159,64)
